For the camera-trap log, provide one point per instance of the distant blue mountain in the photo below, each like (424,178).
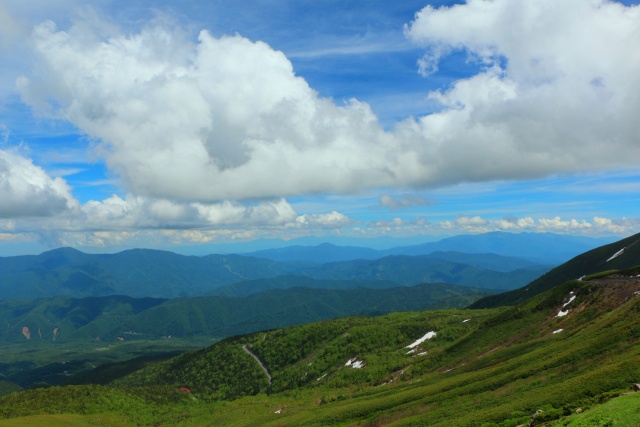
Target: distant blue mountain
(323,253)
(489,261)
(544,248)
(540,248)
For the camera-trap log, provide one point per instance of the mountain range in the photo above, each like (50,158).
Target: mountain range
(540,248)
(563,352)
(162,274)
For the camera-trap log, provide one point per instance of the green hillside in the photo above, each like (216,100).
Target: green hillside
(573,346)
(91,332)
(106,318)
(620,255)
(250,287)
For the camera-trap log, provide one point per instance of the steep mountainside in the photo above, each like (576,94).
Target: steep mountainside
(620,255)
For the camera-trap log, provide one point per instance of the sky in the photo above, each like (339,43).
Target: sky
(211,124)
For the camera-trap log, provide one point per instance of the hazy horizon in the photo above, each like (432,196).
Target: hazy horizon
(207,124)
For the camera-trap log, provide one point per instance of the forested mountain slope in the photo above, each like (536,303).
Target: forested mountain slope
(161,274)
(136,273)
(106,318)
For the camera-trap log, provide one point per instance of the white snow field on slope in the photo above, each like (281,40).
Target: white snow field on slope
(426,336)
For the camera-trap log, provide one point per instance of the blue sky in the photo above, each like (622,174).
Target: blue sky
(211,123)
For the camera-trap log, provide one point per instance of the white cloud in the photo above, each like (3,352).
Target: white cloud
(467,224)
(141,221)
(27,191)
(556,224)
(619,226)
(476,224)
(227,119)
(556,94)
(329,220)
(143,213)
(515,223)
(395,223)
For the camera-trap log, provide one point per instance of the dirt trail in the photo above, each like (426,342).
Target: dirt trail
(264,368)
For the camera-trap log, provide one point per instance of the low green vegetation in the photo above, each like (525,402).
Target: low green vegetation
(623,411)
(493,367)
(45,364)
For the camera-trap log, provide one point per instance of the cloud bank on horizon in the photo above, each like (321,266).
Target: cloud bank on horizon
(210,136)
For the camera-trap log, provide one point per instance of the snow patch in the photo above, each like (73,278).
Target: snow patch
(562,313)
(355,363)
(323,376)
(617,254)
(558,331)
(569,302)
(465,320)
(413,350)
(426,336)
(424,353)
(278,411)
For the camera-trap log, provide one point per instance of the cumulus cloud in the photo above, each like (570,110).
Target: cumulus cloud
(26,190)
(557,224)
(135,212)
(332,219)
(136,220)
(474,224)
(223,118)
(477,224)
(227,118)
(557,90)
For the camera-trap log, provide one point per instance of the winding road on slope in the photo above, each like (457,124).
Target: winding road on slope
(264,368)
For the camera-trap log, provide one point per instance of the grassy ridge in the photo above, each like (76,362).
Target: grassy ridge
(621,255)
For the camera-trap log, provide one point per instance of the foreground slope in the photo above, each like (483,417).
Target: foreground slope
(567,348)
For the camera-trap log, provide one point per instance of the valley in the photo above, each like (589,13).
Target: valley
(428,354)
